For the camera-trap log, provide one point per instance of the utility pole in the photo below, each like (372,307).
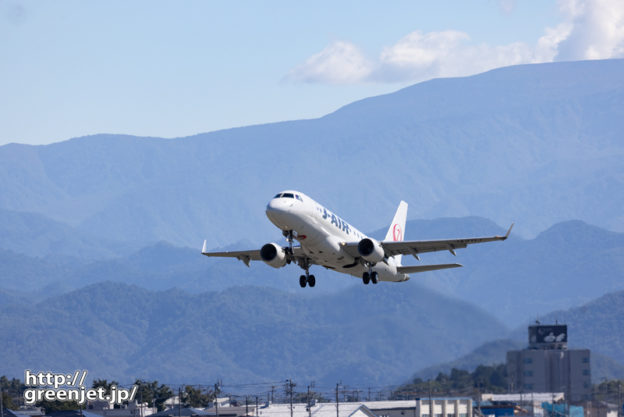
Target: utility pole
(246,406)
(337,401)
(431,408)
(290,391)
(179,400)
(620,404)
(216,392)
(256,405)
(479,398)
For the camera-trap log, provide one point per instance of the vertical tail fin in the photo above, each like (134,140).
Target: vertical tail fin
(396,232)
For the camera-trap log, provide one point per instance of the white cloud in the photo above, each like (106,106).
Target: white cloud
(597,29)
(548,45)
(339,63)
(418,54)
(416,57)
(591,29)
(444,54)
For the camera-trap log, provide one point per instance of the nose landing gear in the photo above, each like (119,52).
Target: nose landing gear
(288,234)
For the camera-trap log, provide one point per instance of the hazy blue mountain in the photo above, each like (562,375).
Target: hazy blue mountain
(157,267)
(9,298)
(492,353)
(22,273)
(362,335)
(604,367)
(516,280)
(567,265)
(597,325)
(535,144)
(36,235)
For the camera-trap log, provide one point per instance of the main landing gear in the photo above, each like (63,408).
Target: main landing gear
(370,277)
(307,279)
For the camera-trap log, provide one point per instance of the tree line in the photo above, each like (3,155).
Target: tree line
(457,383)
(151,392)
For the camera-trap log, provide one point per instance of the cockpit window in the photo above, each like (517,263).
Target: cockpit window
(288,195)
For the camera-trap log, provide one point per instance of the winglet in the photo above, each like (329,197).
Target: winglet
(508,231)
(204,249)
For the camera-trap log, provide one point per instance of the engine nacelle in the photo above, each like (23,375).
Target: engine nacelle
(371,250)
(273,254)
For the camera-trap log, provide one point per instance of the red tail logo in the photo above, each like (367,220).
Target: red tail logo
(397,233)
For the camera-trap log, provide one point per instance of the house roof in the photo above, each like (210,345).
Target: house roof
(184,411)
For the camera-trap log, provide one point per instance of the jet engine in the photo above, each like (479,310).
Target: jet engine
(273,254)
(370,250)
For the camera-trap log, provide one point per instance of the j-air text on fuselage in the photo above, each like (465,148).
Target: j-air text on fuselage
(326,239)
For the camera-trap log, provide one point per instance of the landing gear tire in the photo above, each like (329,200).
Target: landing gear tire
(366,278)
(303,280)
(373,277)
(311,281)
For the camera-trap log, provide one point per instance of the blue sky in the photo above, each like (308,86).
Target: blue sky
(171,69)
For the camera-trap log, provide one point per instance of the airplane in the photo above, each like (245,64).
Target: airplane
(327,240)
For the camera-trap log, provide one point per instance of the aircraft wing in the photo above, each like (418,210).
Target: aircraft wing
(416,247)
(425,268)
(243,255)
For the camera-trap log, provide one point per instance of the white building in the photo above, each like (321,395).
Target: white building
(316,410)
(442,407)
(132,409)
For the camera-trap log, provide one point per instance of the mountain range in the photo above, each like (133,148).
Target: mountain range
(535,144)
(100,236)
(517,280)
(361,335)
(597,325)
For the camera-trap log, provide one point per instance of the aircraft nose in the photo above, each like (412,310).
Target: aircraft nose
(275,205)
(278,212)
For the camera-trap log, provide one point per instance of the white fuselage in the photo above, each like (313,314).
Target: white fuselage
(320,232)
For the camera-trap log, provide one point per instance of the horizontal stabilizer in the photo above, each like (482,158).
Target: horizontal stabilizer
(424,268)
